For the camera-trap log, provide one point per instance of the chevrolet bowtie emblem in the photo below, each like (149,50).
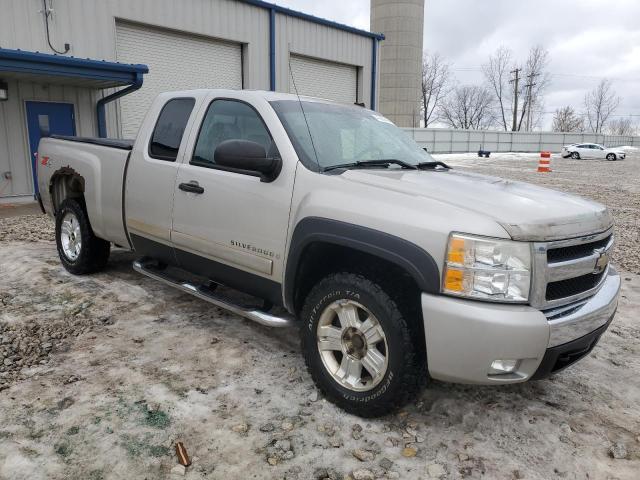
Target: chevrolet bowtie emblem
(601,262)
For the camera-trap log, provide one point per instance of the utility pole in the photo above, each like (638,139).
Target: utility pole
(529,86)
(515,81)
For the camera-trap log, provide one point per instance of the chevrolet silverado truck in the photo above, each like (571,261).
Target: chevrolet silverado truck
(395,268)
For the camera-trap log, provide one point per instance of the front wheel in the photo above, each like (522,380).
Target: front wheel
(79,249)
(611,157)
(575,156)
(359,348)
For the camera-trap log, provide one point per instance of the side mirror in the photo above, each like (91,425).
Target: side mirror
(244,156)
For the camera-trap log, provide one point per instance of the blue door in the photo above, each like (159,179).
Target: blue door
(44,119)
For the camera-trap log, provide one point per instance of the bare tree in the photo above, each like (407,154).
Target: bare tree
(622,126)
(536,81)
(565,119)
(600,103)
(469,107)
(436,78)
(497,73)
(533,80)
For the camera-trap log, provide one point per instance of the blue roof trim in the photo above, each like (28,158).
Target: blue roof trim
(314,19)
(44,64)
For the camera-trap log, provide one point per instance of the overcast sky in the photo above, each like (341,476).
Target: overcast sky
(587,40)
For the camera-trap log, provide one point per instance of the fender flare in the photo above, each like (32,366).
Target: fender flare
(407,255)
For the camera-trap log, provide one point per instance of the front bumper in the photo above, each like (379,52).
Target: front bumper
(464,337)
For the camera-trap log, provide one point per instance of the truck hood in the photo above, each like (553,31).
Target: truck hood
(525,211)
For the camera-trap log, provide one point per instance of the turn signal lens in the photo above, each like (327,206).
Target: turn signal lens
(456,251)
(487,268)
(454,280)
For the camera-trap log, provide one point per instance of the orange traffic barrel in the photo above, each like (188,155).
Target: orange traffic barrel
(544,165)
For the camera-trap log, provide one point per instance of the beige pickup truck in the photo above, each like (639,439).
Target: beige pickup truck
(394,268)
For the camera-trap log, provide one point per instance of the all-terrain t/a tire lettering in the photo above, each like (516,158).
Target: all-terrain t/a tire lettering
(358,346)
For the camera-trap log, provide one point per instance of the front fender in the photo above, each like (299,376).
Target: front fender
(410,257)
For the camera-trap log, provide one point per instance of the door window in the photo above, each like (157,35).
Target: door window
(229,120)
(169,129)
(43,124)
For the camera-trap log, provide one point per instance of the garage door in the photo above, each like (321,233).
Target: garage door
(319,78)
(176,62)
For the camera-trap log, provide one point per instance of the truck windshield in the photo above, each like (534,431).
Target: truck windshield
(343,135)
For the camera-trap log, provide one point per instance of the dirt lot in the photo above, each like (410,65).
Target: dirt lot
(101,375)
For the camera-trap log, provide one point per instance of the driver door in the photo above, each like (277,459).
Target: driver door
(229,226)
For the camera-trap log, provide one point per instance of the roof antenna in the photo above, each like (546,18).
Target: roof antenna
(304,115)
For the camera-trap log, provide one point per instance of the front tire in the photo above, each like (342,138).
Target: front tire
(358,346)
(575,156)
(611,157)
(80,251)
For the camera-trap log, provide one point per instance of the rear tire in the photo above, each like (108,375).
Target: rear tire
(611,157)
(575,155)
(80,251)
(359,347)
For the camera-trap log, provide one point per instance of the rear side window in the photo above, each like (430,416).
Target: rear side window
(167,135)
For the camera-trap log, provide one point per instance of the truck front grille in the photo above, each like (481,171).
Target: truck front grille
(567,271)
(573,286)
(561,254)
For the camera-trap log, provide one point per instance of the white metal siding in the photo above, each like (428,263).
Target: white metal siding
(176,61)
(319,78)
(89,27)
(15,156)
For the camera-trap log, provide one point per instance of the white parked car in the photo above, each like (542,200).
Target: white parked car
(592,150)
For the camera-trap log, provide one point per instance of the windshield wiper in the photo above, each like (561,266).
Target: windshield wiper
(433,166)
(383,162)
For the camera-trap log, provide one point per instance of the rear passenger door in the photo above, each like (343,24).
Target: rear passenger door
(151,175)
(232,227)
(583,150)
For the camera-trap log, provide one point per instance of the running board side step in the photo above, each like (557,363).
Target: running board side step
(202,292)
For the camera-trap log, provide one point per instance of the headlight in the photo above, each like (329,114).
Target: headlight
(487,269)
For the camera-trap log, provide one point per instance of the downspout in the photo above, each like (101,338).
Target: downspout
(100,108)
(272,49)
(374,73)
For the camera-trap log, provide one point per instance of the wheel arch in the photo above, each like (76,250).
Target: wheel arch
(65,183)
(320,245)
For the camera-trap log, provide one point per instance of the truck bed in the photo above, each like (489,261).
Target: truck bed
(122,144)
(100,164)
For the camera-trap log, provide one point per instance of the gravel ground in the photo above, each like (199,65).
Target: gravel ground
(101,375)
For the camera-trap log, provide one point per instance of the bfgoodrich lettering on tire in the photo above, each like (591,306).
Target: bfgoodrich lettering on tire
(79,249)
(359,347)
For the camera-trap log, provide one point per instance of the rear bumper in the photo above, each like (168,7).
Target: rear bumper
(464,337)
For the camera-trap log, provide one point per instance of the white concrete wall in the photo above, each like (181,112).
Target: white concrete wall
(446,140)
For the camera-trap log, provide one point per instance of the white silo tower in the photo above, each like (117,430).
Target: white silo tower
(400,61)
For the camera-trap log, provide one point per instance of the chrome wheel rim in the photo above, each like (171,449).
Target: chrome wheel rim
(352,345)
(70,236)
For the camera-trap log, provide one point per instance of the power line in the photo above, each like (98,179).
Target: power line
(578,75)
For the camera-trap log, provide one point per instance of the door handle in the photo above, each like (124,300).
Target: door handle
(191,187)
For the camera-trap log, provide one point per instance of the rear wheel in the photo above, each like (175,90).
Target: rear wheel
(79,249)
(575,155)
(611,157)
(358,346)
